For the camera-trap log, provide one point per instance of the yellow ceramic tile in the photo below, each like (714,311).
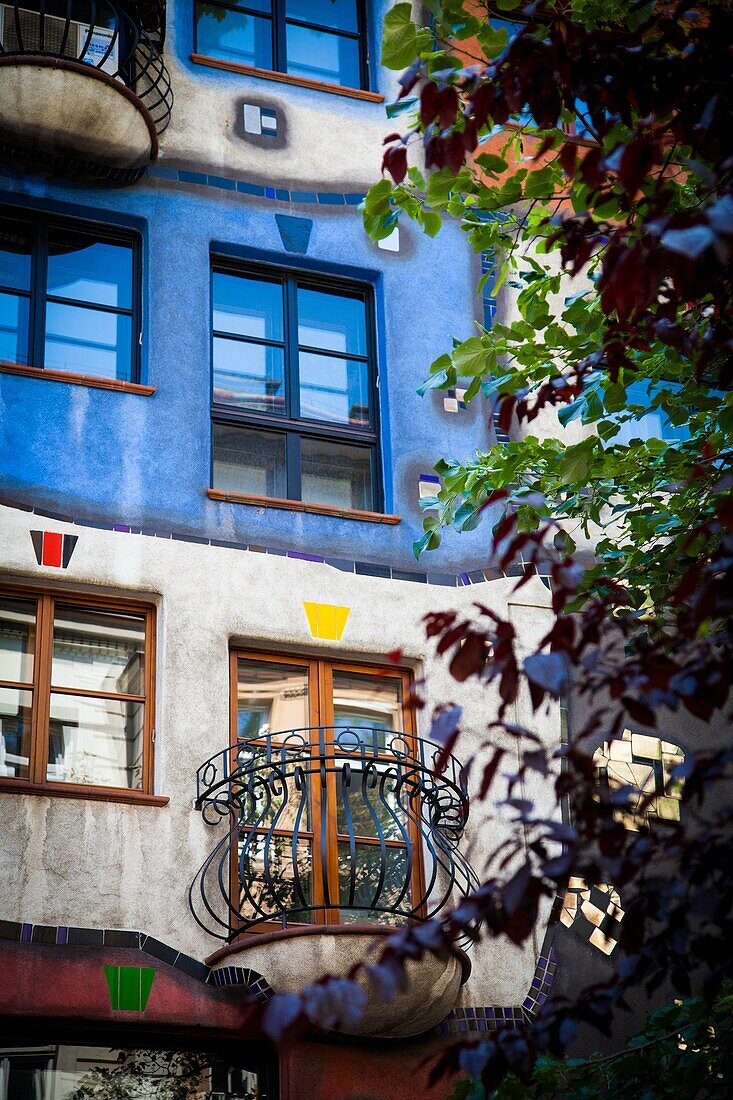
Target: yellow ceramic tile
(326,620)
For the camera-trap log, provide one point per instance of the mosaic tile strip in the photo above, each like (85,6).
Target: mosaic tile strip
(346,565)
(257,987)
(254,190)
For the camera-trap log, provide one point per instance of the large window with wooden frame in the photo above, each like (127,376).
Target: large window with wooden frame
(76,693)
(329,839)
(69,296)
(294,399)
(322,41)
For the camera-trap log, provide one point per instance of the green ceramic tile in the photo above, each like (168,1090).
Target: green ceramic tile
(129,987)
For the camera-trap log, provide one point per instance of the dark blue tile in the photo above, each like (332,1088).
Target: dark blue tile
(295,233)
(476,576)
(189,538)
(283,195)
(222,182)
(270,192)
(342,564)
(330,198)
(303,196)
(353,200)
(250,188)
(16,504)
(368,570)
(277,552)
(62,935)
(95,524)
(191,177)
(61,517)
(408,575)
(228,545)
(161,173)
(305,557)
(448,580)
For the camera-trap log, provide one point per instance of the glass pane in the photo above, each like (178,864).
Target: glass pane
(248,307)
(336,474)
(15,253)
(339,14)
(271,698)
(55,1072)
(98,651)
(234,36)
(13,328)
(319,55)
(15,732)
(331,322)
(95,741)
(88,341)
(87,270)
(372,801)
(250,376)
(17,639)
(359,884)
(334,389)
(274,881)
(269,795)
(249,462)
(366,702)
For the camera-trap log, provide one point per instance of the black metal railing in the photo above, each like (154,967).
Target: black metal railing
(122,38)
(326,821)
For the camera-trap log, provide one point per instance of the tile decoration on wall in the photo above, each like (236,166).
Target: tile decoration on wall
(174,174)
(129,987)
(326,620)
(295,233)
(592,912)
(392,242)
(52,548)
(454,400)
(259,120)
(228,977)
(643,763)
(428,486)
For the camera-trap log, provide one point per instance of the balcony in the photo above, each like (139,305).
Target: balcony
(84,90)
(335,836)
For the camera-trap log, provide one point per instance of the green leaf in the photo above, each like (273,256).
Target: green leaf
(575,462)
(540,184)
(400,106)
(430,222)
(434,382)
(491,163)
(471,357)
(493,41)
(377,198)
(399,38)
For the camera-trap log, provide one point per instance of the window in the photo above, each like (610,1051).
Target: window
(76,702)
(646,423)
(294,397)
(69,296)
(330,840)
(643,765)
(322,41)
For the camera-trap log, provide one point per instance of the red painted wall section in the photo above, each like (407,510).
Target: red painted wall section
(70,984)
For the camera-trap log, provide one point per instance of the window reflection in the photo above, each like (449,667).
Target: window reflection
(271,698)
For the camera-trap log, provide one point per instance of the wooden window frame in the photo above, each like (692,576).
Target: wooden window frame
(37,295)
(319,672)
(41,689)
(291,426)
(279,20)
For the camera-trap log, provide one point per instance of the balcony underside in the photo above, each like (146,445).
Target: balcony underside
(291,959)
(66,114)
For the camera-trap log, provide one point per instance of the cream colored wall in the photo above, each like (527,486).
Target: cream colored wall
(97,864)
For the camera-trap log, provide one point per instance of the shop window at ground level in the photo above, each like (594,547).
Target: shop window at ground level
(323,41)
(76,692)
(106,1072)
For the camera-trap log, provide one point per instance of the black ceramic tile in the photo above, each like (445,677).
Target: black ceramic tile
(342,564)
(367,570)
(406,575)
(159,950)
(192,967)
(44,933)
(120,938)
(448,580)
(86,937)
(10,930)
(179,537)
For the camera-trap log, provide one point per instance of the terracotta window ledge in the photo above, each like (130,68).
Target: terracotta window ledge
(95,794)
(304,506)
(285,78)
(77,379)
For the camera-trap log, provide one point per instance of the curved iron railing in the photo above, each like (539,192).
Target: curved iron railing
(122,38)
(309,808)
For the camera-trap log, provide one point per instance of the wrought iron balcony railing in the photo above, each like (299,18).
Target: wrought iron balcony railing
(122,38)
(326,825)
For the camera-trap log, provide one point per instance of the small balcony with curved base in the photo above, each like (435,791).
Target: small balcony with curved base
(334,838)
(84,90)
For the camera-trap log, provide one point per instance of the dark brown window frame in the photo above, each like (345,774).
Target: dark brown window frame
(41,686)
(320,702)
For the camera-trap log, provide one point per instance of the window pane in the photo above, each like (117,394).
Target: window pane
(234,36)
(87,270)
(271,698)
(88,341)
(15,253)
(331,322)
(249,462)
(359,883)
(319,55)
(248,307)
(339,14)
(336,474)
(95,741)
(13,328)
(17,639)
(98,651)
(372,802)
(268,794)
(334,389)
(366,702)
(250,376)
(272,882)
(15,732)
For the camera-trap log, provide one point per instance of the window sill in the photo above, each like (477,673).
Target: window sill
(95,794)
(303,506)
(115,384)
(285,78)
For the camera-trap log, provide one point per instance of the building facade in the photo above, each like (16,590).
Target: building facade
(213,782)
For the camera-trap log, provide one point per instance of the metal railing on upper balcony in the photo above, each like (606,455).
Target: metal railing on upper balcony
(330,825)
(122,38)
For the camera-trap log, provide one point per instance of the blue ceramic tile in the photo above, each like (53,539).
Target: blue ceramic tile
(159,172)
(407,575)
(191,177)
(445,579)
(329,198)
(283,195)
(270,192)
(222,182)
(341,563)
(250,188)
(353,200)
(368,570)
(303,196)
